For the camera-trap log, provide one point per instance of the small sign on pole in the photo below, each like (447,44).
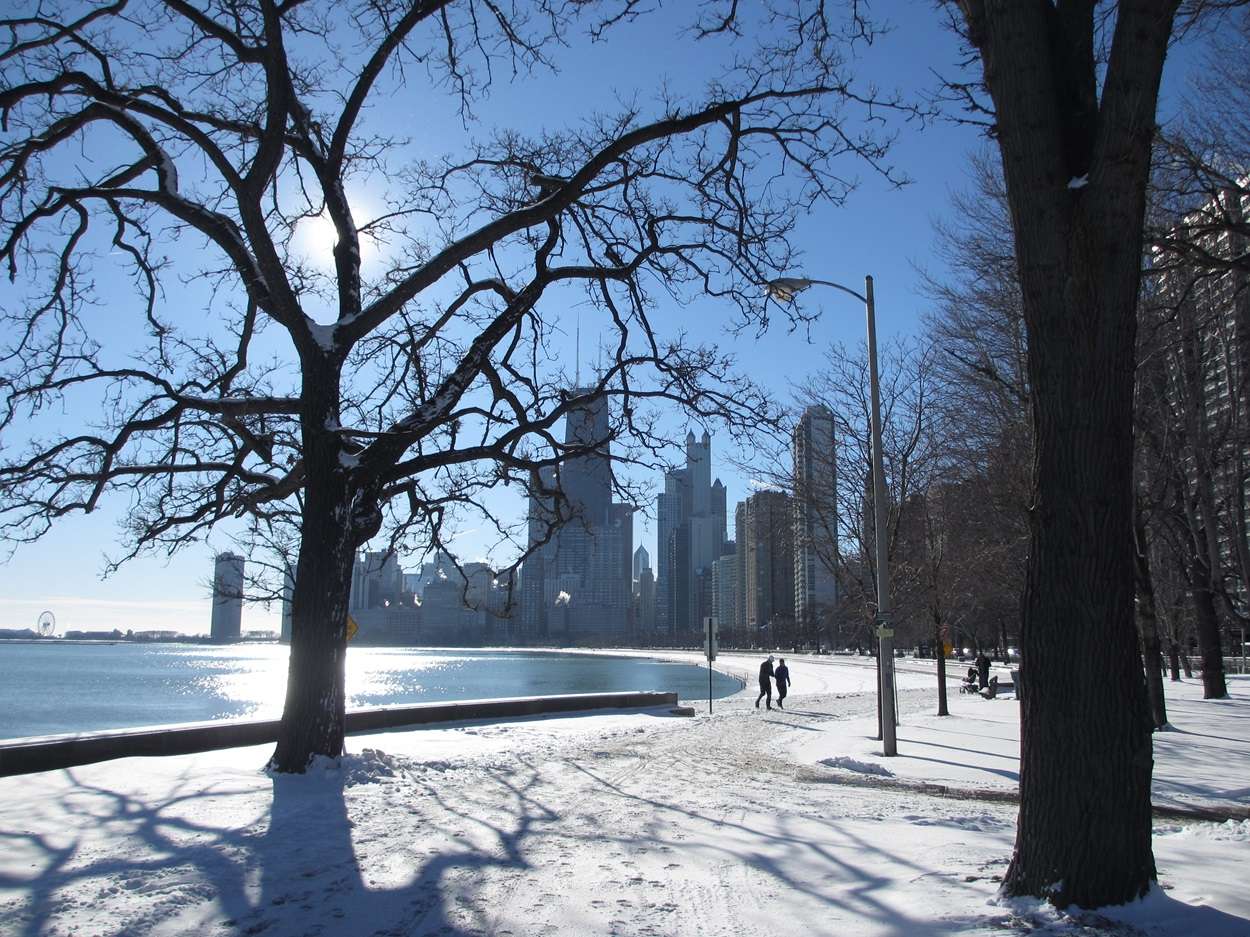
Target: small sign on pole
(352,627)
(711,631)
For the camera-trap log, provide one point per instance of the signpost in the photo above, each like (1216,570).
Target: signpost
(711,631)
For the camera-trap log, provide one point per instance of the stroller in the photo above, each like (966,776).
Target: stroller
(970,681)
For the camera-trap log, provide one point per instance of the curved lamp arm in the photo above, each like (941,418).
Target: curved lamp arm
(784,289)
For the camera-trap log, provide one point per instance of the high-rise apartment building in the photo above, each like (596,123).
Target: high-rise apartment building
(768,548)
(815,521)
(739,620)
(725,588)
(1209,304)
(227,620)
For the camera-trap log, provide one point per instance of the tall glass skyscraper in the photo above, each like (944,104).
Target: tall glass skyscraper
(690,518)
(815,521)
(577,585)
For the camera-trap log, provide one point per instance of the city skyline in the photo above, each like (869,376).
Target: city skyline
(863,239)
(880,230)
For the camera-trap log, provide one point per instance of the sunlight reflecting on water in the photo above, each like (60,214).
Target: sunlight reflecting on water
(54,687)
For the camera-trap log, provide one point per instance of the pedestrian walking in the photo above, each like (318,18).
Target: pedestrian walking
(782,676)
(766,682)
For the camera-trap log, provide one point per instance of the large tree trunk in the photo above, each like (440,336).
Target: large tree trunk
(337,517)
(1076,170)
(1209,644)
(313,714)
(1083,834)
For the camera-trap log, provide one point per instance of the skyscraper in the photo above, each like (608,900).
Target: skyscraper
(577,585)
(725,588)
(642,560)
(690,538)
(645,602)
(586,479)
(377,581)
(769,558)
(542,512)
(815,521)
(671,511)
(227,620)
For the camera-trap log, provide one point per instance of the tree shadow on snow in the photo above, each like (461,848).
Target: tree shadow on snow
(386,846)
(292,866)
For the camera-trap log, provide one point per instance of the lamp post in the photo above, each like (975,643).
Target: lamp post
(785,289)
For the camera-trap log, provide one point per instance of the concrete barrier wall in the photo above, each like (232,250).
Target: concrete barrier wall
(48,753)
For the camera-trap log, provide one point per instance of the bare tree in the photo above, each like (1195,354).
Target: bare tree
(976,325)
(1202,160)
(1070,91)
(1198,324)
(159,158)
(1192,456)
(911,451)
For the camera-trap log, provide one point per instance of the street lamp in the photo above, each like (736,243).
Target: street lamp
(785,289)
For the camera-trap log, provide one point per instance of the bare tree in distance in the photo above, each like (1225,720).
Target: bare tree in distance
(1197,313)
(1202,158)
(910,455)
(1193,450)
(158,160)
(976,325)
(944,553)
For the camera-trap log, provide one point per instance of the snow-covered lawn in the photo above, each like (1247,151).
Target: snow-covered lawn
(738,823)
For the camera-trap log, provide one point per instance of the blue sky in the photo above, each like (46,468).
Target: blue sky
(880,231)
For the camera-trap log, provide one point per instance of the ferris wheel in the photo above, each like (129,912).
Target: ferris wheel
(46,626)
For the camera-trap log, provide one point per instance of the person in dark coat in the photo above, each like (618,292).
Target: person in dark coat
(782,676)
(983,670)
(766,682)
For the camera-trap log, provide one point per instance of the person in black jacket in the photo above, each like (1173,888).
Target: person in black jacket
(983,670)
(782,676)
(766,682)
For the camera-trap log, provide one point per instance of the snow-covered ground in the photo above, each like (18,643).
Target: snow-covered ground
(743,822)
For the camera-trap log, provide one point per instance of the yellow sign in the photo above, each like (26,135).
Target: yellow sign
(352,627)
(947,648)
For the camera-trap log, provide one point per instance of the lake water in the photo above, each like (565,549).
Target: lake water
(49,688)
